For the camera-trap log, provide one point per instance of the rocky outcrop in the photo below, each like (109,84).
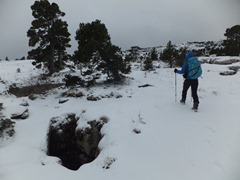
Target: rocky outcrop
(21,115)
(32,89)
(74,146)
(227,73)
(89,138)
(232,71)
(218,60)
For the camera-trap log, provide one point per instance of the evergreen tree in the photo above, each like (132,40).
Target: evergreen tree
(49,33)
(22,58)
(154,55)
(95,48)
(148,64)
(180,56)
(232,43)
(133,53)
(168,55)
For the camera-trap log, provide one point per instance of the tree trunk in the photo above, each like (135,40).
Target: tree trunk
(116,76)
(51,60)
(60,55)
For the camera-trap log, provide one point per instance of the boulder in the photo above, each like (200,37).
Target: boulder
(20,115)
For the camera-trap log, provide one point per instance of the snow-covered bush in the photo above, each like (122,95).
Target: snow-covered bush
(6,128)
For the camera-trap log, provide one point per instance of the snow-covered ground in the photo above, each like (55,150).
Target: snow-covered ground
(174,142)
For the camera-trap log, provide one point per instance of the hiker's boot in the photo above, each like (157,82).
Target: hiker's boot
(182,101)
(195,106)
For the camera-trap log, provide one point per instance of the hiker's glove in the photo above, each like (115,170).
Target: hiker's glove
(175,70)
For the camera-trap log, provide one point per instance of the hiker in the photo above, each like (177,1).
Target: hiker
(191,70)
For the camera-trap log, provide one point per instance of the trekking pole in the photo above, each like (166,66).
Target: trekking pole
(175,87)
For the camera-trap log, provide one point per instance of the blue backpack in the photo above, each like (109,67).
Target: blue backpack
(194,70)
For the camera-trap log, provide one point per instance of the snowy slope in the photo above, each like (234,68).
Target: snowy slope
(175,143)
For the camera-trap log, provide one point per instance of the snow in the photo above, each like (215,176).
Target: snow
(220,58)
(174,143)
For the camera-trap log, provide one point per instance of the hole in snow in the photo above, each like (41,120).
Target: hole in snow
(74,146)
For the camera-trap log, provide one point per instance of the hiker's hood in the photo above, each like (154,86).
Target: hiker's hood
(189,55)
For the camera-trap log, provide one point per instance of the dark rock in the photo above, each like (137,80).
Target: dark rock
(23,115)
(234,68)
(72,94)
(137,131)
(32,97)
(227,73)
(145,85)
(61,101)
(119,96)
(1,106)
(24,103)
(93,98)
(88,139)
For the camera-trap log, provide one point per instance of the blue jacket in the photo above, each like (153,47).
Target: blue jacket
(185,66)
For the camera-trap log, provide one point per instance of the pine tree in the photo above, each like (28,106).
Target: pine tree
(95,48)
(180,56)
(22,58)
(49,33)
(148,64)
(168,55)
(133,53)
(232,43)
(154,55)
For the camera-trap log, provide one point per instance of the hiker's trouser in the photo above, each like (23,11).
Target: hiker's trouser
(194,86)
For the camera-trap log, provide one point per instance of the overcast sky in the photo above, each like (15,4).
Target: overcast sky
(145,23)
